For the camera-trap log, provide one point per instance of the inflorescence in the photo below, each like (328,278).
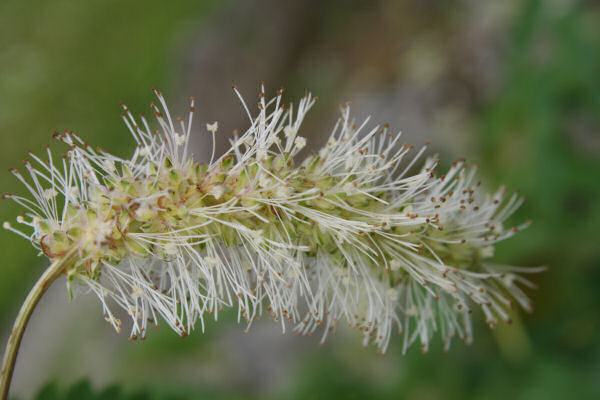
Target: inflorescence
(349,235)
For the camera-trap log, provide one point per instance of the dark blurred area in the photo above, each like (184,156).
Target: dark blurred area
(513,86)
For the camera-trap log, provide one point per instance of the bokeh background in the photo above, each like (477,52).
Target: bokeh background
(513,86)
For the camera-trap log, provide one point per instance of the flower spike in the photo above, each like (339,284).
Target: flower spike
(350,235)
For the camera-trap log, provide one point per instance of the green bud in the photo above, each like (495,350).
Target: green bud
(134,247)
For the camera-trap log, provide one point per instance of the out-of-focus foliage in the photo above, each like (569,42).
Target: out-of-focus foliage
(83,390)
(541,133)
(537,130)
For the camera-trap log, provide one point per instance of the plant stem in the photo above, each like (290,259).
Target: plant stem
(12,347)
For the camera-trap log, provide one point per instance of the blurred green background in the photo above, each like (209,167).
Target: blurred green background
(513,86)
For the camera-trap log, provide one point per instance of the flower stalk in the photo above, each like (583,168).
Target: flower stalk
(14,341)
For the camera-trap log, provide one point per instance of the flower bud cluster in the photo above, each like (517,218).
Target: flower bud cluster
(350,235)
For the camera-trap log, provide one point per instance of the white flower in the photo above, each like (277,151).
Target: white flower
(109,165)
(179,139)
(344,235)
(487,252)
(145,151)
(282,191)
(50,193)
(212,128)
(216,191)
(300,142)
(72,192)
(264,180)
(144,213)
(170,248)
(289,131)
(261,154)
(275,140)
(352,161)
(257,236)
(211,261)
(137,292)
(246,266)
(349,188)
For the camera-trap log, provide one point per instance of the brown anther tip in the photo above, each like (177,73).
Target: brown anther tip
(234,86)
(427,143)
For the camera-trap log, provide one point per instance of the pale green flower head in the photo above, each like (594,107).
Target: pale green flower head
(348,235)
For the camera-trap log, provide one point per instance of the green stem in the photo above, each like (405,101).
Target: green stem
(12,347)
